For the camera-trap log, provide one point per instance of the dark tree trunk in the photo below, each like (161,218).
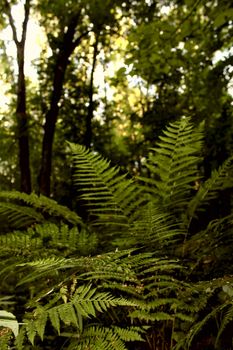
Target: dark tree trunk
(21,111)
(90,111)
(65,50)
(22,120)
(50,123)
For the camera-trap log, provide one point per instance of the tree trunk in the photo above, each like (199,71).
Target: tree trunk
(65,50)
(22,121)
(90,111)
(21,110)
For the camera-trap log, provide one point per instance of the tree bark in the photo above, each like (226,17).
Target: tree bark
(21,109)
(90,111)
(67,46)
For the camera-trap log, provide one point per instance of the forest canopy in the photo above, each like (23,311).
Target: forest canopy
(116,129)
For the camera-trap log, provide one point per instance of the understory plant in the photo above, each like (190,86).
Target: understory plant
(150,266)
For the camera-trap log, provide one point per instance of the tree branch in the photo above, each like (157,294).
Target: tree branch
(24,25)
(25,21)
(12,23)
(77,41)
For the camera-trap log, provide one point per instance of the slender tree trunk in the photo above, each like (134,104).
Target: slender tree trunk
(65,50)
(49,126)
(21,109)
(90,111)
(23,133)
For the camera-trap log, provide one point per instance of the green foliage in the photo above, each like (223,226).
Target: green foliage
(112,200)
(41,204)
(96,338)
(169,285)
(220,179)
(174,165)
(161,244)
(85,302)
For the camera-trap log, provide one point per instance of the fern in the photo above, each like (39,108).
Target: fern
(220,179)
(19,216)
(96,337)
(218,234)
(226,320)
(196,328)
(6,300)
(155,228)
(174,165)
(40,205)
(133,275)
(86,302)
(111,199)
(200,295)
(160,289)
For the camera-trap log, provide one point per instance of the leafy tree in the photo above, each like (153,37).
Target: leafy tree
(172,47)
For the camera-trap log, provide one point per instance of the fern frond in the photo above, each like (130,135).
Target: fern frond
(99,338)
(220,179)
(110,266)
(19,216)
(198,326)
(111,338)
(85,302)
(6,300)
(174,165)
(19,241)
(130,334)
(227,318)
(110,198)
(42,205)
(203,292)
(45,267)
(57,239)
(156,229)
(144,315)
(214,243)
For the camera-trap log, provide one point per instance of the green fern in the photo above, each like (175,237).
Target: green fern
(226,320)
(38,205)
(85,302)
(113,338)
(220,179)
(111,199)
(200,295)
(97,338)
(155,228)
(174,165)
(135,276)
(19,216)
(218,234)
(146,288)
